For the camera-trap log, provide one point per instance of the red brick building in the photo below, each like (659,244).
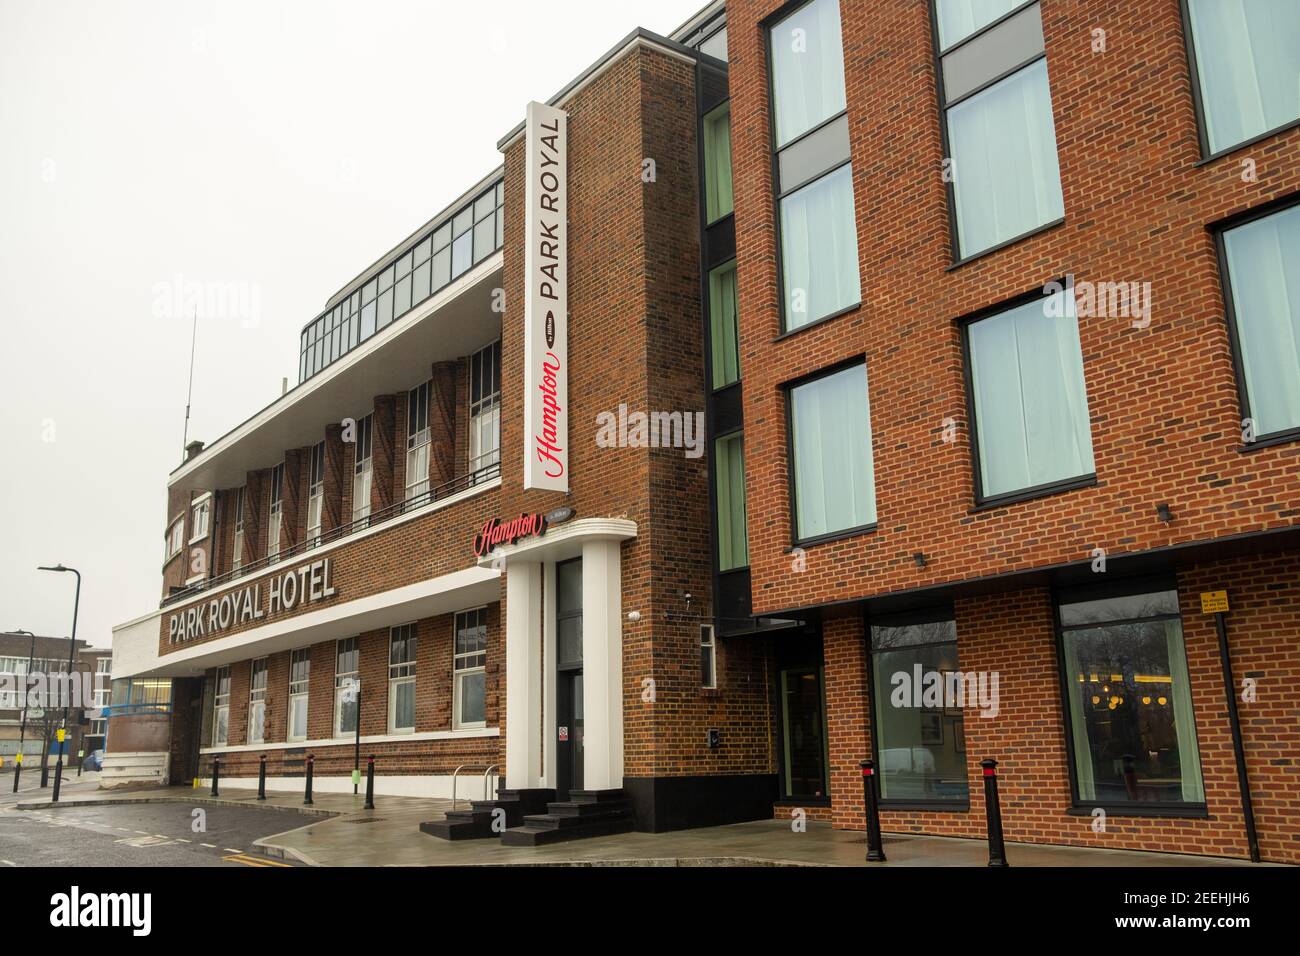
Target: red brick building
(888,380)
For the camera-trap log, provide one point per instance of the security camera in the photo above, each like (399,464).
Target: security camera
(634,616)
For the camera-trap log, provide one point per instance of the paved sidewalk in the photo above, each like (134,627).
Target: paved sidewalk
(348,835)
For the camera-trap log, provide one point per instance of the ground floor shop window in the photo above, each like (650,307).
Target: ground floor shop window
(257,702)
(346,684)
(919,700)
(1132,729)
(221,708)
(299,678)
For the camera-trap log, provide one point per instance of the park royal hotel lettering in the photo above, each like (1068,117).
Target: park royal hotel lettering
(546,300)
(304,585)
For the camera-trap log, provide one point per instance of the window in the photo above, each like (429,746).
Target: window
(417,442)
(175,538)
(315,493)
(347,687)
(103,681)
(1246,59)
(724,340)
(237,559)
(401,679)
(299,678)
(818,231)
(200,513)
(717,163)
(467,237)
(729,482)
(830,441)
(919,695)
(716,45)
(1131,725)
(803,739)
(469,679)
(276,514)
(221,708)
(1262,259)
(485,412)
(1003,170)
(1030,408)
(363,470)
(257,702)
(568,612)
(708,657)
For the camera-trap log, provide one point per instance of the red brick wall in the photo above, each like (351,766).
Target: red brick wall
(1163,401)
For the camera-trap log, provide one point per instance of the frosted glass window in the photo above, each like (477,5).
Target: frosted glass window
(819,249)
(834,480)
(807,69)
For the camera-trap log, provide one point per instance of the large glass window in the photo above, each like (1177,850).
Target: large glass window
(717,163)
(819,242)
(1247,56)
(729,477)
(919,697)
(469,687)
(299,678)
(485,412)
(803,734)
(221,707)
(807,69)
(257,701)
(834,480)
(1001,136)
(724,344)
(1131,721)
(347,684)
(958,19)
(819,249)
(1263,263)
(1032,428)
(401,679)
(417,442)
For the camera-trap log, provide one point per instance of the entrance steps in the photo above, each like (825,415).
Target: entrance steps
(587,813)
(476,822)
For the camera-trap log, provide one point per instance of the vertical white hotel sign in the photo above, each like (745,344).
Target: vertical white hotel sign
(546,301)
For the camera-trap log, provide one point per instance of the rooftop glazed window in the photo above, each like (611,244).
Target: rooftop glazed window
(463,240)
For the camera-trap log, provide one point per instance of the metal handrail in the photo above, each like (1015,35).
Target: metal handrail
(487,768)
(395,510)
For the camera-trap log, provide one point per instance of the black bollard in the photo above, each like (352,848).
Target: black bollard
(370,782)
(993,807)
(18,768)
(216,776)
(875,845)
(306,802)
(261,778)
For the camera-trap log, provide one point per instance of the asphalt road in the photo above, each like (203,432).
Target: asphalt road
(147,834)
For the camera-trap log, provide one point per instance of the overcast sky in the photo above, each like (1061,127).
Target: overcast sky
(274,149)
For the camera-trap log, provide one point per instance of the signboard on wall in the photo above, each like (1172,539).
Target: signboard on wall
(546,300)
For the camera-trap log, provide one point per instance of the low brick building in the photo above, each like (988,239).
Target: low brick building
(907,380)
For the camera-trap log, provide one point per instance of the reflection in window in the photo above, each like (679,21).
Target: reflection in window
(921,747)
(1132,725)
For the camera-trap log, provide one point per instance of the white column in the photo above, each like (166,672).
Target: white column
(523,674)
(550,637)
(602,666)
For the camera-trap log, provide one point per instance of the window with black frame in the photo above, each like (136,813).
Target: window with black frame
(1245,57)
(1261,261)
(1130,717)
(814,177)
(918,727)
(1000,135)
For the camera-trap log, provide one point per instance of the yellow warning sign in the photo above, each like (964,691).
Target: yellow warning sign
(1214,602)
(61,734)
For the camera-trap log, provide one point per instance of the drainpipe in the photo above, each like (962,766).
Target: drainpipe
(1239,751)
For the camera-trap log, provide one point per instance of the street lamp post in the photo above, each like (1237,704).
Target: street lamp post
(72,652)
(22,729)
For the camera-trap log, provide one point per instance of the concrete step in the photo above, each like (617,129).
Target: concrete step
(532,834)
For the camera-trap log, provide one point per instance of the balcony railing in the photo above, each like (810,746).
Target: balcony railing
(396,510)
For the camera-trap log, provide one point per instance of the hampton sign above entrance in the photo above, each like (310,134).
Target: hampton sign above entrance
(304,585)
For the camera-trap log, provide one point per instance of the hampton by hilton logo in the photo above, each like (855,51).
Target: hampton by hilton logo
(304,585)
(495,531)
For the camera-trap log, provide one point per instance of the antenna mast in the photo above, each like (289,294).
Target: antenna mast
(189,392)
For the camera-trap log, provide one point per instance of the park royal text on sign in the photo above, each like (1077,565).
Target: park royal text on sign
(546,301)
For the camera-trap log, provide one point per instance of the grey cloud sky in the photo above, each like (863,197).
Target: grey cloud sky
(277,146)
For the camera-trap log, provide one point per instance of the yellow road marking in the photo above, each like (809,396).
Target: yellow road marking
(248,860)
